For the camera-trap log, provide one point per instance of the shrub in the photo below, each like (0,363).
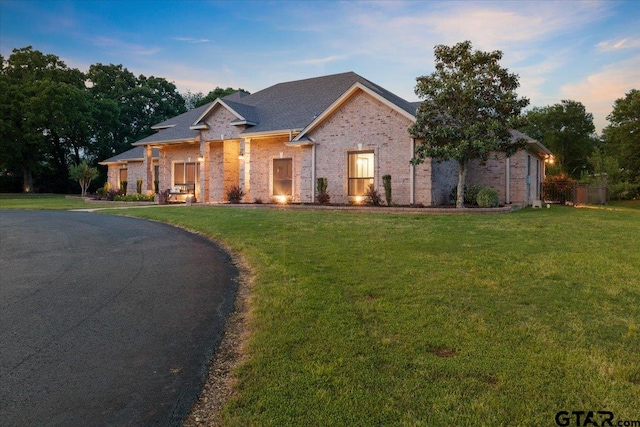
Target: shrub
(488,198)
(624,191)
(133,198)
(322,196)
(470,194)
(257,201)
(156,186)
(123,187)
(111,194)
(163,197)
(373,196)
(139,186)
(235,194)
(386,181)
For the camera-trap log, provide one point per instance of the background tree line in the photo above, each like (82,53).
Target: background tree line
(53,117)
(567,130)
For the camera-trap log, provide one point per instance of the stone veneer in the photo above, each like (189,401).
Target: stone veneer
(363,120)
(493,173)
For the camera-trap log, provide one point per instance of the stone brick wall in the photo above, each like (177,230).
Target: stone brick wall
(262,153)
(177,153)
(218,122)
(444,178)
(493,173)
(366,121)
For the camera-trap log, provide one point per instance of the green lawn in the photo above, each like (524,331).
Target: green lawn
(362,319)
(52,201)
(369,319)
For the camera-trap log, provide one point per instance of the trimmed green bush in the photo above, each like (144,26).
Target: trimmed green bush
(133,198)
(488,198)
(323,196)
(470,194)
(386,181)
(139,186)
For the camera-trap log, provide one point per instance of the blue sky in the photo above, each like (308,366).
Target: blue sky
(585,51)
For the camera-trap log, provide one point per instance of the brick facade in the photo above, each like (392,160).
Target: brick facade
(228,155)
(362,124)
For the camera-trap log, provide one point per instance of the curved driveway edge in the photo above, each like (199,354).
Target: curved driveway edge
(106,320)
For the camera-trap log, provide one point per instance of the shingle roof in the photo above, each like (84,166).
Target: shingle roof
(136,153)
(293,105)
(176,128)
(284,106)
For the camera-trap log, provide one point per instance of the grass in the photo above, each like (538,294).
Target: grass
(378,319)
(51,201)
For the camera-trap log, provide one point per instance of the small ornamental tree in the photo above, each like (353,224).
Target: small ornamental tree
(469,105)
(84,174)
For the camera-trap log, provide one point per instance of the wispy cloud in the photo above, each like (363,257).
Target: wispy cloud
(321,61)
(626,43)
(190,39)
(599,90)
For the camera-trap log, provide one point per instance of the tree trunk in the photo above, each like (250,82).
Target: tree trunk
(27,180)
(462,177)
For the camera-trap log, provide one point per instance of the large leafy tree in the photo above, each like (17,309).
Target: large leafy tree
(621,139)
(52,116)
(469,105)
(568,131)
(127,106)
(45,115)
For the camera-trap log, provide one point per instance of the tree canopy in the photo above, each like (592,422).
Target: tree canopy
(195,100)
(568,131)
(469,105)
(621,139)
(53,116)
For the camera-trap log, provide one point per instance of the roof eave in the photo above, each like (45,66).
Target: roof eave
(165,142)
(158,127)
(269,133)
(218,101)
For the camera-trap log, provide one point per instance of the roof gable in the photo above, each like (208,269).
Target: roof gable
(355,88)
(289,106)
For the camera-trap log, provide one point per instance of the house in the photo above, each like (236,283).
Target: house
(275,143)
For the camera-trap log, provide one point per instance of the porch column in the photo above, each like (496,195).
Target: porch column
(205,168)
(148,166)
(246,161)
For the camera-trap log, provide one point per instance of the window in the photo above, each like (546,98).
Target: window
(184,176)
(184,173)
(282,177)
(360,172)
(122,176)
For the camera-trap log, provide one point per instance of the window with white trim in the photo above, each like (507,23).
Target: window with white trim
(360,172)
(282,177)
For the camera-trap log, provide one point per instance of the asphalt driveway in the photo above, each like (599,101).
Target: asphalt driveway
(105,320)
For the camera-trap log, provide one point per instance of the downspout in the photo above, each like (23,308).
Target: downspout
(508,181)
(313,173)
(412,172)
